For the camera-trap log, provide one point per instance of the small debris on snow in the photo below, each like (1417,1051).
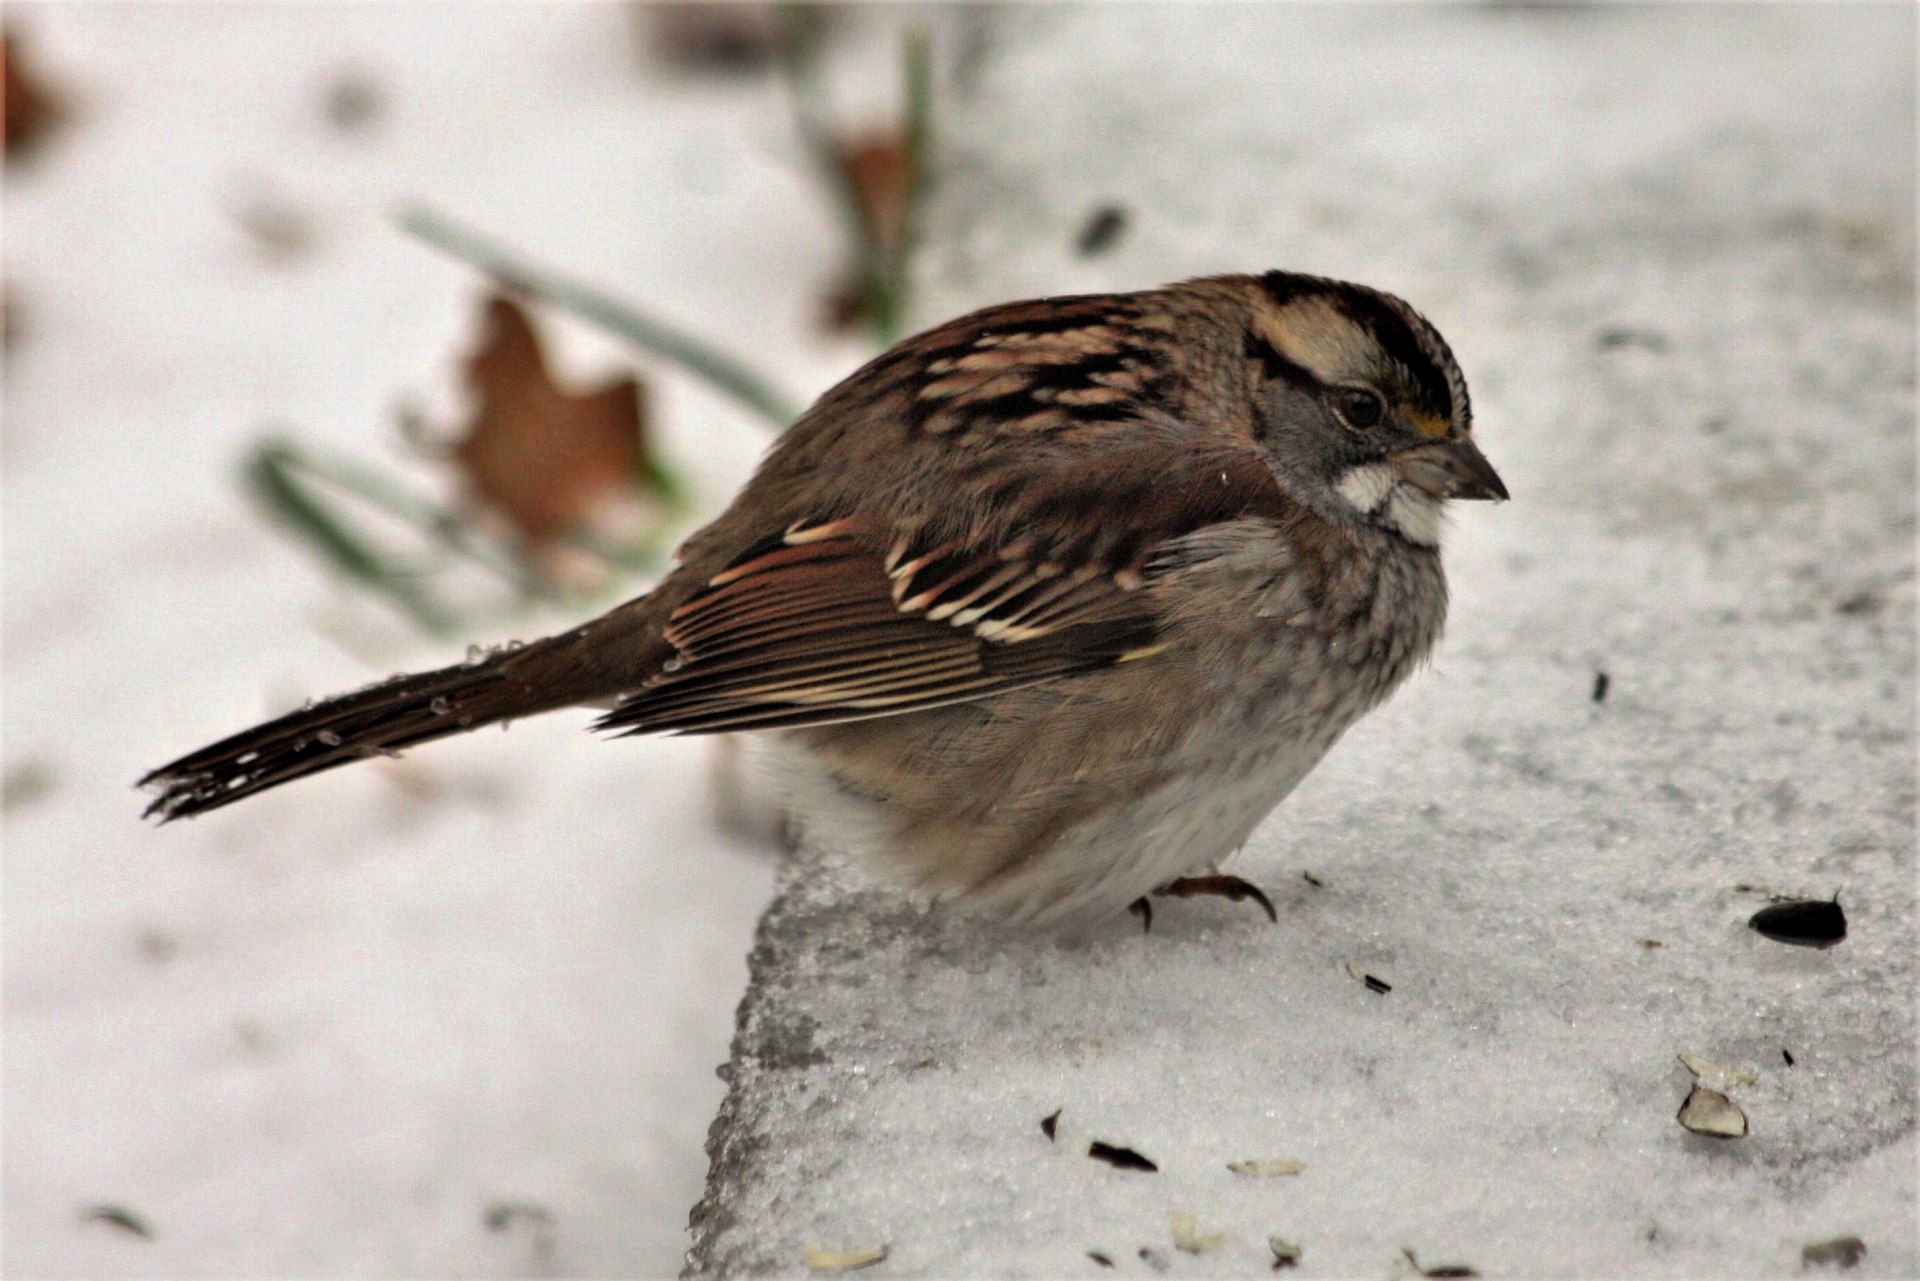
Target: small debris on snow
(354,100)
(865,1256)
(1713,1114)
(25,783)
(1786,1056)
(1265,1169)
(1286,1254)
(1840,1252)
(1802,922)
(1600,683)
(1187,1237)
(1120,1158)
(1617,336)
(1101,230)
(1373,983)
(1050,1124)
(1718,1074)
(1100,1258)
(1439,1269)
(120,1217)
(1313,880)
(157,945)
(502,1215)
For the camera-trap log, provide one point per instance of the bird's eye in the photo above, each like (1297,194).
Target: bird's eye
(1358,407)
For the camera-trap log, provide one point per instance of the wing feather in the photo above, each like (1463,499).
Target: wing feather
(856,617)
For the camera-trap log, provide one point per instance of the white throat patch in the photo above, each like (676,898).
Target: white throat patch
(1414,512)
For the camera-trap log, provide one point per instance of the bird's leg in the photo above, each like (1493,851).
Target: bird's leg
(1141,908)
(1232,888)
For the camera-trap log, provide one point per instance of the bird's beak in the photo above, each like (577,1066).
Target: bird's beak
(1449,469)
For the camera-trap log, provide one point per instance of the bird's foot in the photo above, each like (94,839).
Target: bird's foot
(1232,888)
(1141,908)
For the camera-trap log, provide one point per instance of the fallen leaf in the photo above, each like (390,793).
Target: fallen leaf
(816,1259)
(32,109)
(1713,1114)
(878,169)
(544,458)
(1265,1169)
(732,38)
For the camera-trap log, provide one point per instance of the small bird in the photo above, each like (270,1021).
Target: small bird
(1047,607)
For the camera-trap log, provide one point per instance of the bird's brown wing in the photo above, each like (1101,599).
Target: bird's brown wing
(856,617)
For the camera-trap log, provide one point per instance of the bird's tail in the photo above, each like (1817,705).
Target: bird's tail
(377,721)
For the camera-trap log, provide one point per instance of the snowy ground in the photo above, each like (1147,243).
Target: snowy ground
(321,1034)
(1673,248)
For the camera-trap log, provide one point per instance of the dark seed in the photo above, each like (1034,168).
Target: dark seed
(1048,1124)
(1802,922)
(1600,682)
(1787,1056)
(1100,1258)
(1120,1158)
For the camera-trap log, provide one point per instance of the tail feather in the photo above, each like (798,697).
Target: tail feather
(377,721)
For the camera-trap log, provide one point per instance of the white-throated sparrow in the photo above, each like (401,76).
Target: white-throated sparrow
(1053,602)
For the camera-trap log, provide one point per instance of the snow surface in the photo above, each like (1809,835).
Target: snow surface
(1673,249)
(321,1033)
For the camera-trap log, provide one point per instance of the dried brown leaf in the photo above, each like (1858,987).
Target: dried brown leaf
(543,457)
(879,167)
(32,107)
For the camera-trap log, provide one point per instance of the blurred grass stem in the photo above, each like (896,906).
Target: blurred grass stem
(603,310)
(281,475)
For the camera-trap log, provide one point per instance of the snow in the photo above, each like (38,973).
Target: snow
(320,1034)
(1673,248)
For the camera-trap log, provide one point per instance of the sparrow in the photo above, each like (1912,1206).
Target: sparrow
(1045,608)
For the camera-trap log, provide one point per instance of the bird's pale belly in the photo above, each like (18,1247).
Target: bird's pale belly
(1189,824)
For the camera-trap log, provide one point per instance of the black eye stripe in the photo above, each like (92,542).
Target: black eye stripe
(1276,366)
